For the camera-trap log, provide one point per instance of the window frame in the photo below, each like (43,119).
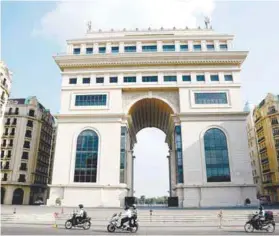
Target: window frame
(202,106)
(149,50)
(71,80)
(86,78)
(73,107)
(167,45)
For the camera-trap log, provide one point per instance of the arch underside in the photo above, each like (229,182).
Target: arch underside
(151,112)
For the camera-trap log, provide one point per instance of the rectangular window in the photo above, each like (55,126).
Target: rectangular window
(76,50)
(149,48)
(30,123)
(150,79)
(130,79)
(72,80)
(184,47)
(86,80)
(211,98)
(115,49)
(16,110)
(214,77)
(186,78)
(168,48)
(9,153)
(223,47)
(102,49)
(113,79)
(170,78)
(100,80)
(31,113)
(91,100)
(23,166)
(28,133)
(197,47)
(21,178)
(210,47)
(89,50)
(11,143)
(200,78)
(228,78)
(26,144)
(130,48)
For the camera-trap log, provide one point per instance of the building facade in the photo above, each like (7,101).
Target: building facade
(266,119)
(184,82)
(254,150)
(25,151)
(6,83)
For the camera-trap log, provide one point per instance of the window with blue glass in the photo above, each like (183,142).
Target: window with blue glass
(91,100)
(197,47)
(114,49)
(89,50)
(223,46)
(86,157)
(168,48)
(130,48)
(178,153)
(113,79)
(211,98)
(214,77)
(130,79)
(186,78)
(100,80)
(216,156)
(86,80)
(150,79)
(102,49)
(170,78)
(123,141)
(210,47)
(200,78)
(149,48)
(76,50)
(72,80)
(184,47)
(228,78)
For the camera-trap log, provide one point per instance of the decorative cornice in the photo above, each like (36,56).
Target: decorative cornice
(148,59)
(213,116)
(90,118)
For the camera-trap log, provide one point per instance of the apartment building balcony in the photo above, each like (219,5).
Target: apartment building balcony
(261,139)
(11,113)
(260,129)
(272,112)
(14,124)
(263,149)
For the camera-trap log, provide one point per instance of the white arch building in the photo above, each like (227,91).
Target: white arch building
(184,82)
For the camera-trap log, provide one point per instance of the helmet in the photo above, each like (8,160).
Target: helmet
(134,206)
(80,206)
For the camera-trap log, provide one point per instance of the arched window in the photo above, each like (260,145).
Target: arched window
(86,157)
(216,156)
(18,197)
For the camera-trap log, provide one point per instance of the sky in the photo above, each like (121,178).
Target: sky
(32,32)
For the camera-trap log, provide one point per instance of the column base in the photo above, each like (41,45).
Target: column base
(88,195)
(218,196)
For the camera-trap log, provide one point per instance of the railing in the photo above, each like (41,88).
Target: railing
(23,168)
(271,112)
(261,139)
(263,149)
(259,129)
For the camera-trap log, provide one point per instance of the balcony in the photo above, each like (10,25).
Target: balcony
(12,134)
(261,139)
(23,168)
(272,112)
(21,180)
(14,124)
(12,113)
(8,123)
(263,149)
(260,129)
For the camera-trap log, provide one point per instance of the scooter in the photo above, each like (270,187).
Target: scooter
(115,222)
(72,222)
(254,223)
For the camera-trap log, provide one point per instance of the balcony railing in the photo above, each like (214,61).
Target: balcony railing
(21,180)
(23,168)
(259,129)
(263,149)
(261,139)
(271,112)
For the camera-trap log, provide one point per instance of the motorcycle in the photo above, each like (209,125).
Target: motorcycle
(116,221)
(254,223)
(72,222)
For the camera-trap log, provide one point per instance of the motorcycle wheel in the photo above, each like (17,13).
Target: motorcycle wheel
(135,228)
(86,225)
(249,228)
(68,224)
(270,228)
(111,228)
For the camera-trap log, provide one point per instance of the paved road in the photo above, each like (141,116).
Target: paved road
(47,230)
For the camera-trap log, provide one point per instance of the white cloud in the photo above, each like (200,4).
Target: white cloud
(68,19)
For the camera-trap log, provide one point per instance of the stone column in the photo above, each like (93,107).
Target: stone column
(129,171)
(8,195)
(170,174)
(133,175)
(172,171)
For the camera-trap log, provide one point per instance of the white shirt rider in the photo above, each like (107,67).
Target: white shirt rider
(81,212)
(127,213)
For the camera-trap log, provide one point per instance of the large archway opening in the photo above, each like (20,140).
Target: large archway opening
(18,196)
(151,167)
(152,125)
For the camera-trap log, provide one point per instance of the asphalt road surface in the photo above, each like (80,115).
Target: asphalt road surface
(48,230)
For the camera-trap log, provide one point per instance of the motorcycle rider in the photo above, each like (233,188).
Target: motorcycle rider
(81,214)
(261,216)
(126,216)
(134,214)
